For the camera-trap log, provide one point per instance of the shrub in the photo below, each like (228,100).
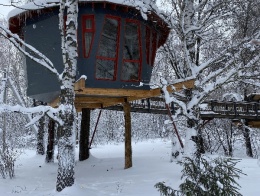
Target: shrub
(210,178)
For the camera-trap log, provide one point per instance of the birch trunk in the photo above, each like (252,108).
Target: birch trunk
(66,140)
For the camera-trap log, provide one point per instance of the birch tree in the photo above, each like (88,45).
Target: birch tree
(65,114)
(66,141)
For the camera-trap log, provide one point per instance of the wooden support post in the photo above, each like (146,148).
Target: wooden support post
(84,135)
(128,145)
(50,146)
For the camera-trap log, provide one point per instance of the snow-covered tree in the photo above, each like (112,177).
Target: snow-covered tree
(65,114)
(200,47)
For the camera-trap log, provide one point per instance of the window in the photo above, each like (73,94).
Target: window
(151,45)
(131,52)
(108,49)
(154,46)
(88,30)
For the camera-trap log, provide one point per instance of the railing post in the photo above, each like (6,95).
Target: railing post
(149,105)
(235,108)
(256,109)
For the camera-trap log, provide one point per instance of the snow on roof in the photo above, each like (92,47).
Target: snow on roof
(147,8)
(143,5)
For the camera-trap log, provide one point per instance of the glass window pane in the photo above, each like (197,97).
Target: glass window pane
(131,47)
(130,71)
(105,69)
(108,42)
(89,23)
(154,46)
(88,40)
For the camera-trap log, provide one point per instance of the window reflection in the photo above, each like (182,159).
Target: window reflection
(131,64)
(131,47)
(105,69)
(88,33)
(130,71)
(107,52)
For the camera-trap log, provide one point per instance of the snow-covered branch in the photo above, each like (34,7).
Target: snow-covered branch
(38,111)
(227,77)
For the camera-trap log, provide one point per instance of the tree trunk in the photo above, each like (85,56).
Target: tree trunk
(194,142)
(66,150)
(40,137)
(84,135)
(66,140)
(128,145)
(50,146)
(249,151)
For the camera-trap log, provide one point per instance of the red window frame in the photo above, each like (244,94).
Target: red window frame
(86,30)
(151,45)
(139,61)
(115,59)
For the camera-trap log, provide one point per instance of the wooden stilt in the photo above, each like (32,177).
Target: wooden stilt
(128,145)
(50,146)
(84,135)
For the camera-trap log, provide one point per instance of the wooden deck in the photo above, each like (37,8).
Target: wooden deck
(249,111)
(94,98)
(149,101)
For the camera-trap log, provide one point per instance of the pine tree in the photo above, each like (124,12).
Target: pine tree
(211,178)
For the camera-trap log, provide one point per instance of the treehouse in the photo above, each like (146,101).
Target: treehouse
(116,50)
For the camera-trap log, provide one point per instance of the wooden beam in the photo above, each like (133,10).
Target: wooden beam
(134,92)
(80,84)
(103,97)
(255,124)
(88,105)
(80,99)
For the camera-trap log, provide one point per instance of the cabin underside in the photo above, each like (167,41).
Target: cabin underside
(94,98)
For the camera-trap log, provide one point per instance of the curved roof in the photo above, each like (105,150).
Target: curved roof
(147,9)
(142,5)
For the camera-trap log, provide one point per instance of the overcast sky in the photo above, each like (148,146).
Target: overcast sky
(4,10)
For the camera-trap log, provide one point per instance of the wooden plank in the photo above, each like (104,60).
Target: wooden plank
(255,124)
(79,85)
(138,110)
(78,106)
(134,93)
(94,99)
(229,116)
(118,92)
(88,105)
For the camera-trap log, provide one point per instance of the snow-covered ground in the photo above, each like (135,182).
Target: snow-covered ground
(104,175)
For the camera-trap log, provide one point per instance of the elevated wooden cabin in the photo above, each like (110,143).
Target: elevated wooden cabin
(116,48)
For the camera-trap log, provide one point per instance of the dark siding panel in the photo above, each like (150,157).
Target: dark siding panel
(44,36)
